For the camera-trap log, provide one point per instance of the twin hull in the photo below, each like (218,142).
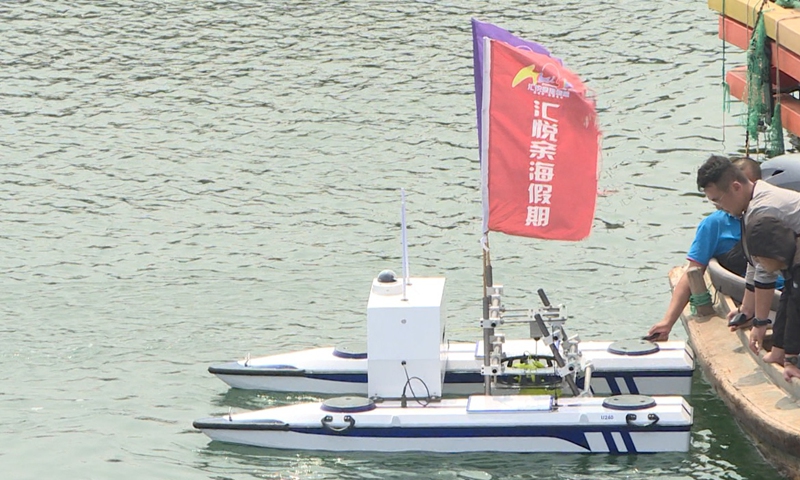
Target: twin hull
(516,423)
(667,371)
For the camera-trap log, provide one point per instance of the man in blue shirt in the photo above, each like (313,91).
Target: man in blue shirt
(718,236)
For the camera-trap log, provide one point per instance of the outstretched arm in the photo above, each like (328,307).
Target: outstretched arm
(679,300)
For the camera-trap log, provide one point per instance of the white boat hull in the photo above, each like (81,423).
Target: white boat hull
(319,370)
(576,425)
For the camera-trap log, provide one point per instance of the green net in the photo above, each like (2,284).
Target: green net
(761,116)
(757,79)
(775,132)
(726,97)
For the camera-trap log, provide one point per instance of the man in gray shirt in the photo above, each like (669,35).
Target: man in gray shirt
(729,189)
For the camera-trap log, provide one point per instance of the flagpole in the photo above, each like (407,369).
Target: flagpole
(488,331)
(404,241)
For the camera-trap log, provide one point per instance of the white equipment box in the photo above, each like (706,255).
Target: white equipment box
(405,338)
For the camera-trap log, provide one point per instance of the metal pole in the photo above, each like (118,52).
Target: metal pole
(487,332)
(404,240)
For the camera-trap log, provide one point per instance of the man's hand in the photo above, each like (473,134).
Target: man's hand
(757,338)
(733,313)
(659,332)
(748,313)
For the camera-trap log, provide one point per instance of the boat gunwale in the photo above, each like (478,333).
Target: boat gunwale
(719,353)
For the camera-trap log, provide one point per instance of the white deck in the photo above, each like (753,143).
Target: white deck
(666,372)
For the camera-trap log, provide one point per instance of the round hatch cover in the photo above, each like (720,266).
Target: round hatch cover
(629,402)
(351,350)
(633,347)
(348,404)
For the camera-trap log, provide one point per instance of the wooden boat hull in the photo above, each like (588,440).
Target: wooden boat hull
(760,400)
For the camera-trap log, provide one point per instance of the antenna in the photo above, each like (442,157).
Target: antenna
(403,240)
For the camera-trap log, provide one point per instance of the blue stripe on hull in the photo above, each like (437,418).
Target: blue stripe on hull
(644,374)
(631,385)
(611,378)
(339,377)
(573,435)
(610,443)
(612,385)
(626,437)
(630,447)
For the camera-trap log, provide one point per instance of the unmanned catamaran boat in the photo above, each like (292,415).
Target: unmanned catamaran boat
(405,411)
(407,357)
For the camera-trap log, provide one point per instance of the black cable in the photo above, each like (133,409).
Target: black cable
(413,394)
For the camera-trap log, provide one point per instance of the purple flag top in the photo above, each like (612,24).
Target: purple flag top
(480,30)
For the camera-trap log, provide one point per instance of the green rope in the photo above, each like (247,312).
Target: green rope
(726,89)
(699,300)
(788,3)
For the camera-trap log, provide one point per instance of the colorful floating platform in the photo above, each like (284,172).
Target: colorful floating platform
(736,22)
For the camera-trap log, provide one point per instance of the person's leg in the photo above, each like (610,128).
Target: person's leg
(791,338)
(734,260)
(776,355)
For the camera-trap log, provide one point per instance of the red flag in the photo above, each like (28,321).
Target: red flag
(540,150)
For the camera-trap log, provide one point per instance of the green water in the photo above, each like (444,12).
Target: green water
(184,183)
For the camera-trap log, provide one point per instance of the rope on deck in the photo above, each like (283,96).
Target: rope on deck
(699,300)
